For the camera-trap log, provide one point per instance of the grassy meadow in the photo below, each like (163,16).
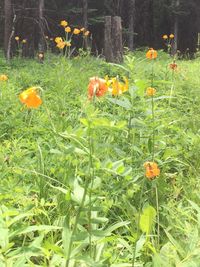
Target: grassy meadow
(74,191)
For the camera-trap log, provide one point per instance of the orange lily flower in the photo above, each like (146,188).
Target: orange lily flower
(152,170)
(97,87)
(151,54)
(30,98)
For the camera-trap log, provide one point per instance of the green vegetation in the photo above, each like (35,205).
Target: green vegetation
(73,187)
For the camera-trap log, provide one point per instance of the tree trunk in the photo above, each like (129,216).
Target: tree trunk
(176,29)
(148,23)
(108,50)
(85,20)
(117,39)
(85,14)
(131,22)
(8,25)
(41,45)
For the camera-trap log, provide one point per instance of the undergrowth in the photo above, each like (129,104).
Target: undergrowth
(73,188)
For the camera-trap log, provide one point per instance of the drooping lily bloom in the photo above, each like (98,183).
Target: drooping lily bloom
(151,54)
(30,98)
(97,87)
(152,170)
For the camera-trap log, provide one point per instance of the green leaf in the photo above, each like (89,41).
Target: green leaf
(109,230)
(176,245)
(29,229)
(147,219)
(66,235)
(158,262)
(98,220)
(78,193)
(124,265)
(19,217)
(4,240)
(60,189)
(125,103)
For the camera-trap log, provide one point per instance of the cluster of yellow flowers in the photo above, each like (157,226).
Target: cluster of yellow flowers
(61,43)
(168,41)
(23,41)
(75,31)
(166,37)
(115,87)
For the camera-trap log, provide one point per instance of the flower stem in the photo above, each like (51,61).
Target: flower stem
(138,224)
(153,156)
(76,223)
(172,88)
(158,217)
(153,127)
(91,180)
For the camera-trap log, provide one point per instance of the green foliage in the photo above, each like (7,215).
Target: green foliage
(147,219)
(72,178)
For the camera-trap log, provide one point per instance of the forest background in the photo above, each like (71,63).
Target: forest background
(143,21)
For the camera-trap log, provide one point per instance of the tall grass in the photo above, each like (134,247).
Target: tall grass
(73,187)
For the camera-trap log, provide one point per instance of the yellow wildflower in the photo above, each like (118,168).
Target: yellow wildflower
(3,77)
(63,23)
(86,33)
(68,29)
(58,40)
(165,37)
(76,31)
(61,45)
(117,87)
(150,91)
